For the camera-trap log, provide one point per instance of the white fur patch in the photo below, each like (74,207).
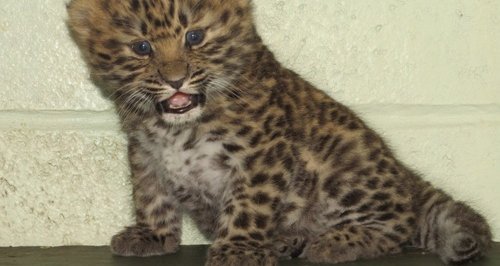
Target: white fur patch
(191,170)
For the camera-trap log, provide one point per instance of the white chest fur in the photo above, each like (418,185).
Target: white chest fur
(189,163)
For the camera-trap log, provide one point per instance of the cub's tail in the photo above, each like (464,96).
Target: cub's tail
(449,228)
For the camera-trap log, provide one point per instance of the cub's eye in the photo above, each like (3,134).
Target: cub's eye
(142,48)
(195,37)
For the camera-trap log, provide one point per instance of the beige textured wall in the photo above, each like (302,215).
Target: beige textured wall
(424,73)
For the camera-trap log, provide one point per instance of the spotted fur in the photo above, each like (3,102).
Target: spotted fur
(267,165)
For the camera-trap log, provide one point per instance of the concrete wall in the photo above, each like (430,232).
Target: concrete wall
(424,73)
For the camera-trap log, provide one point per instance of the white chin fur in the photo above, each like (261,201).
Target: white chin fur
(177,119)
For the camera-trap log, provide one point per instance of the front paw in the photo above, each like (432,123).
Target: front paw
(231,254)
(140,241)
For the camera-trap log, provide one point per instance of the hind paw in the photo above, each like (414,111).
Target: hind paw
(464,248)
(290,247)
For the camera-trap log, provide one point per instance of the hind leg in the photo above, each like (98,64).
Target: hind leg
(453,230)
(354,242)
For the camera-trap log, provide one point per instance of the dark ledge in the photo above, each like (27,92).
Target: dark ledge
(191,255)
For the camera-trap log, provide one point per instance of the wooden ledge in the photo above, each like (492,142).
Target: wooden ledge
(191,255)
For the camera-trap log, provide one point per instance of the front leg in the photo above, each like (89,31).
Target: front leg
(158,219)
(248,221)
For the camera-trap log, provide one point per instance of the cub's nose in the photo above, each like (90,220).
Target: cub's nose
(174,73)
(176,84)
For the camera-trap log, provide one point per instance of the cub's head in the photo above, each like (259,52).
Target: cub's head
(165,57)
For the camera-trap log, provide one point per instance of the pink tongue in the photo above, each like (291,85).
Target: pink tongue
(179,100)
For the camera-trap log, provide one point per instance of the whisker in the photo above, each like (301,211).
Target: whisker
(224,87)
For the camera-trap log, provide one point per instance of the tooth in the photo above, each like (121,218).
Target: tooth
(180,107)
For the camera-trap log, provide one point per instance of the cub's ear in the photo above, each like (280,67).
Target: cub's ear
(83,17)
(244,3)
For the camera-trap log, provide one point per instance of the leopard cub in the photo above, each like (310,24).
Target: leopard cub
(267,165)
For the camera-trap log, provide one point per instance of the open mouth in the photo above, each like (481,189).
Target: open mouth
(180,103)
